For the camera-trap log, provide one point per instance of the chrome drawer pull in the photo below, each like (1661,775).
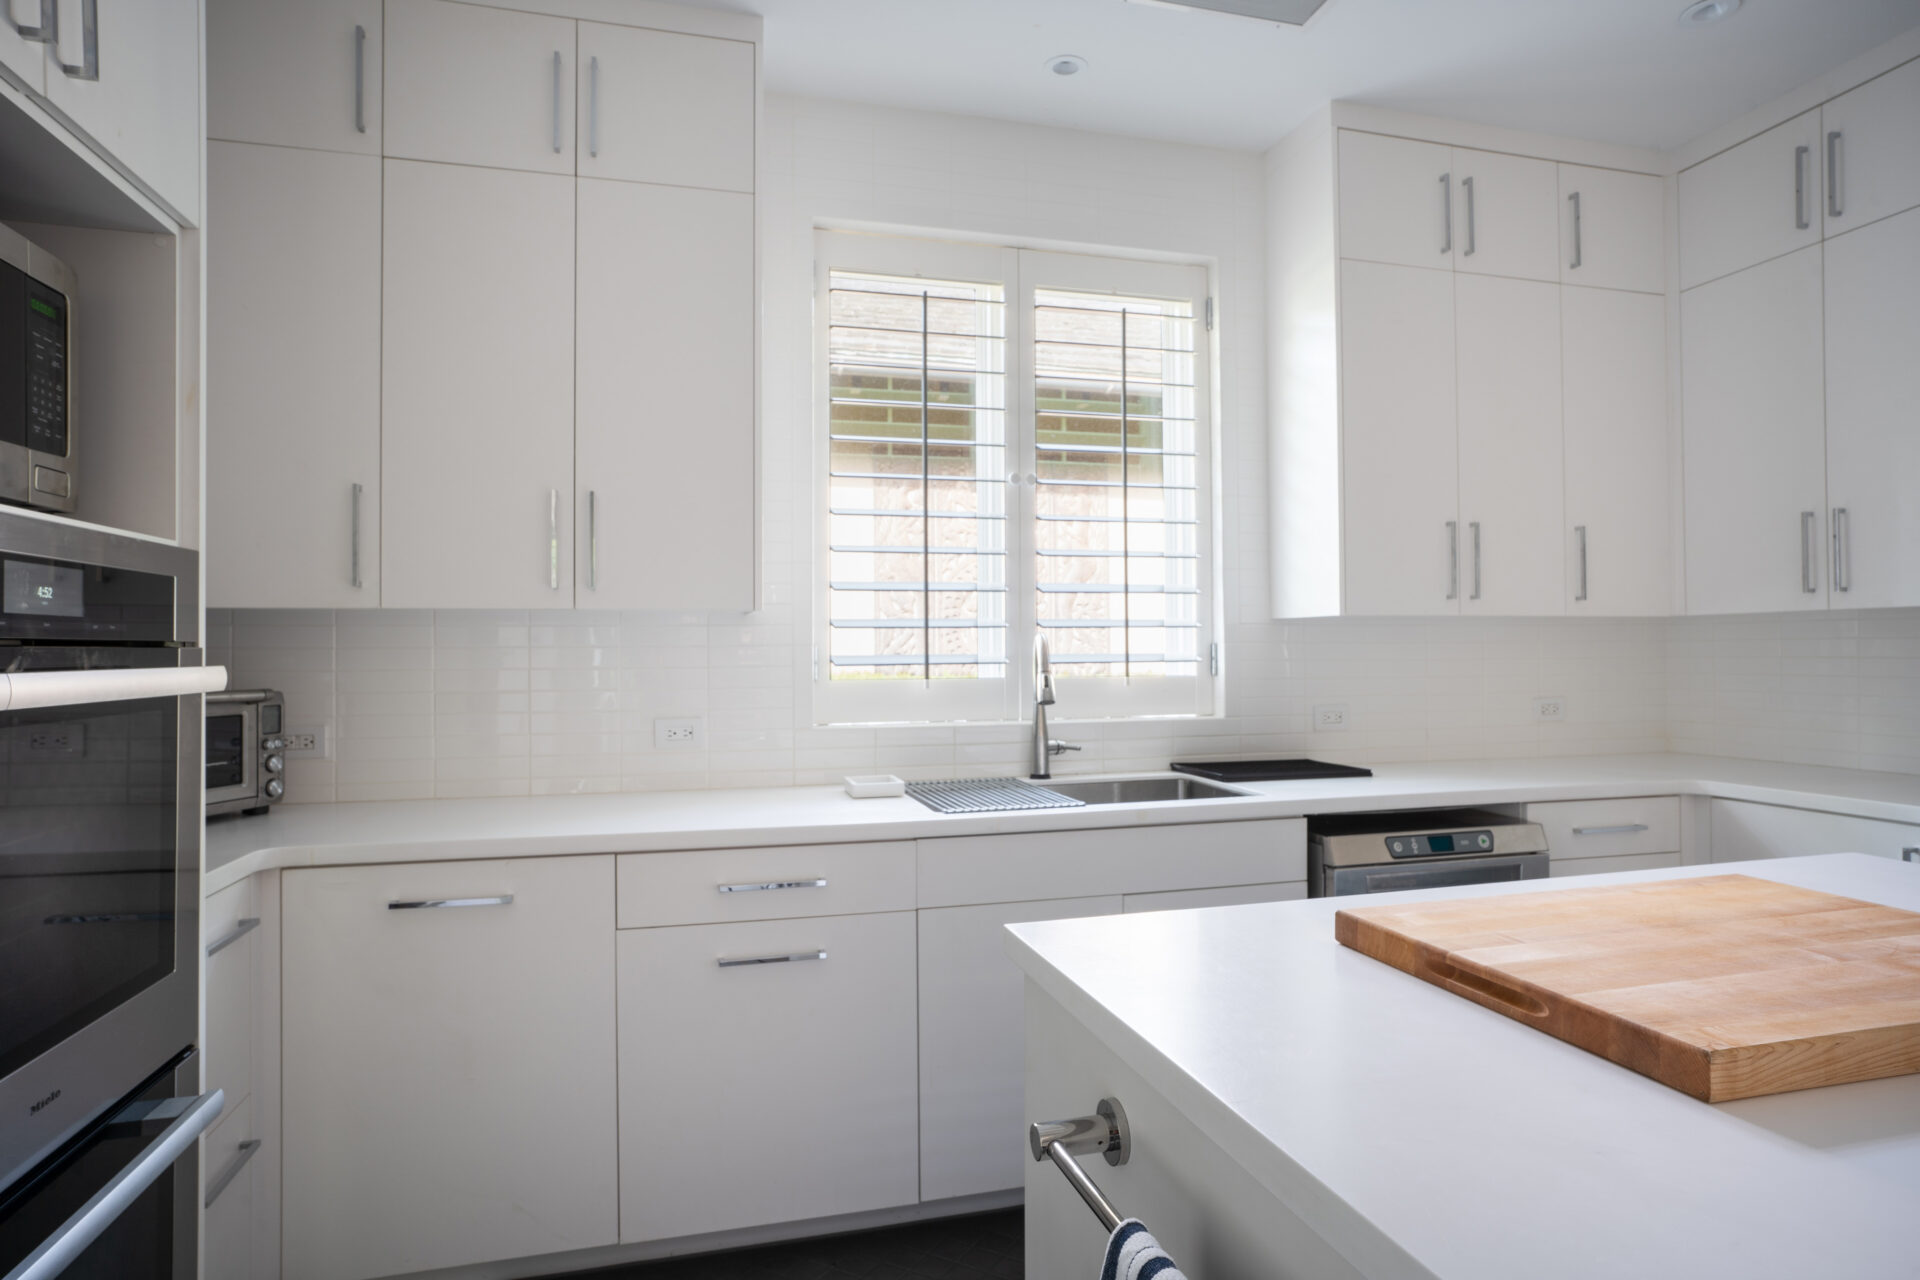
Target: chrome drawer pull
(232,1171)
(240,931)
(504,900)
(771,884)
(739,961)
(1624,829)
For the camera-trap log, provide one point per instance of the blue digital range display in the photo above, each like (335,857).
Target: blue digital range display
(1440,844)
(43,590)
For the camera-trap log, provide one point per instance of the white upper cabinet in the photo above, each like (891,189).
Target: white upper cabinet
(467,84)
(25,55)
(131,82)
(1614,371)
(477,388)
(293,391)
(1613,230)
(1504,217)
(659,106)
(1507,336)
(665,375)
(1752,375)
(1400,451)
(295,73)
(1873,386)
(1871,144)
(1395,203)
(1751,202)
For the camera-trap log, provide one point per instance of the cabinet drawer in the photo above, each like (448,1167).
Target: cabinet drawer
(230,1156)
(804,1067)
(1624,862)
(231,919)
(1609,828)
(710,886)
(1232,896)
(961,870)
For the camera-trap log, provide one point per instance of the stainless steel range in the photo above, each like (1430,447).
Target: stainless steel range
(1420,849)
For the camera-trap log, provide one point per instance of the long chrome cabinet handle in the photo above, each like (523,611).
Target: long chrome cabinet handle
(553,539)
(771,884)
(89,68)
(358,491)
(593,541)
(1574,200)
(1842,550)
(1446,213)
(1624,829)
(1580,536)
(1800,222)
(1809,577)
(66,1244)
(1833,174)
(593,107)
(1466,185)
(1475,526)
(240,930)
(232,1171)
(48,29)
(25,690)
(736,962)
(359,85)
(557,65)
(422,904)
(1453,559)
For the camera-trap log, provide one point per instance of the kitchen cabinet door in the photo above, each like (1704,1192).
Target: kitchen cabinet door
(1871,142)
(665,378)
(1505,215)
(231,1159)
(756,1089)
(1743,830)
(660,106)
(1752,202)
(477,388)
(1394,204)
(1613,230)
(295,73)
(293,378)
(1873,386)
(1400,447)
(1511,501)
(24,58)
(449,1071)
(141,103)
(1614,371)
(1754,439)
(469,84)
(972,1044)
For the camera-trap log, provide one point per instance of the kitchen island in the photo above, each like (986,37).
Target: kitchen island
(1300,1110)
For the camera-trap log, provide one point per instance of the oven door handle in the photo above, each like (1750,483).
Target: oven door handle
(60,1249)
(25,690)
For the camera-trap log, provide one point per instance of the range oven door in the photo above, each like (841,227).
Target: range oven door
(1394,876)
(100,776)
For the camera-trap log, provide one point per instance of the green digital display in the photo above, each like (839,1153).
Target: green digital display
(44,308)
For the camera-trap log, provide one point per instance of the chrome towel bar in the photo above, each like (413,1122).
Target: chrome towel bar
(1104,1132)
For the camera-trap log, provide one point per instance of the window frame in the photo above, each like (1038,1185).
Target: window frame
(1020,272)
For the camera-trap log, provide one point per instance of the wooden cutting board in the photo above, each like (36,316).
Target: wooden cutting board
(1722,987)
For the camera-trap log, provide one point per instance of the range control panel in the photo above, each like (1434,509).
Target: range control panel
(1440,843)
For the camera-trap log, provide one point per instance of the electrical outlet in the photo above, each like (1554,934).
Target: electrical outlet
(1549,708)
(305,742)
(680,735)
(1329,716)
(58,740)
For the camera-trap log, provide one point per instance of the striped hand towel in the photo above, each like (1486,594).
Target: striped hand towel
(1133,1254)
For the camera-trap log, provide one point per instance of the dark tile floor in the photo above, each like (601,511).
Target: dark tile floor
(984,1246)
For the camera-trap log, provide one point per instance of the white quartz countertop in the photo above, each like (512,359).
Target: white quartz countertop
(1425,1136)
(296,835)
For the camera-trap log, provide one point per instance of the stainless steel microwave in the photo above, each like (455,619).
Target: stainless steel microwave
(36,376)
(245,751)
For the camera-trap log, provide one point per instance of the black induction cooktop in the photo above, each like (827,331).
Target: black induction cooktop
(1267,770)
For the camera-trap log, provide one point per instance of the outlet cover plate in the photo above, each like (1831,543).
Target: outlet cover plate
(687,733)
(306,743)
(1549,708)
(1330,717)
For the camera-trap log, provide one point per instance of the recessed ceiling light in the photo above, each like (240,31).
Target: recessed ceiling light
(1700,13)
(1066,64)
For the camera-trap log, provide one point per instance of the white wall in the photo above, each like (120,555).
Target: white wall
(468,703)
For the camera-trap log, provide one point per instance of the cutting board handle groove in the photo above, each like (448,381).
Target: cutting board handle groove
(1511,998)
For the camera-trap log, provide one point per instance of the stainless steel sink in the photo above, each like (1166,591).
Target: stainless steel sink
(1140,790)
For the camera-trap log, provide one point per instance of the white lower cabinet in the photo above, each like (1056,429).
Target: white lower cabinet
(1743,830)
(449,1066)
(1238,895)
(766,1072)
(972,1044)
(230,1160)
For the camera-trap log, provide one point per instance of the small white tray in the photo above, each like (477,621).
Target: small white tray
(875,786)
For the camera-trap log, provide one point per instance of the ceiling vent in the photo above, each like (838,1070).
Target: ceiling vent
(1293,13)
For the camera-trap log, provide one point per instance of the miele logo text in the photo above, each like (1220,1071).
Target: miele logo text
(34,1110)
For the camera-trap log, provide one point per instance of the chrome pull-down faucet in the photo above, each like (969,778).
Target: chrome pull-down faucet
(1044,748)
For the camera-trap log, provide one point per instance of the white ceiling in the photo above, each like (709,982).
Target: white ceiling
(1615,70)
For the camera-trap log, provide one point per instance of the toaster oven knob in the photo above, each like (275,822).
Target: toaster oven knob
(275,788)
(275,764)
(274,744)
